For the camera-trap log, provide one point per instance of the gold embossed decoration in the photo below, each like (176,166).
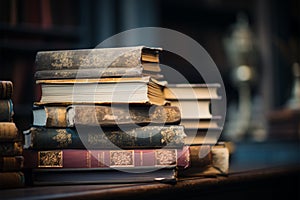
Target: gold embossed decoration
(122,158)
(165,157)
(50,159)
(62,138)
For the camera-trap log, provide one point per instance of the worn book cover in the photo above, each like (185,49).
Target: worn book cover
(6,110)
(10,180)
(104,115)
(130,57)
(6,89)
(11,163)
(8,131)
(132,158)
(90,137)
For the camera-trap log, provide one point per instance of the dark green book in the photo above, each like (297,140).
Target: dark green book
(93,137)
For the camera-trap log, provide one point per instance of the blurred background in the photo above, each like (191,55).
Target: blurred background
(255,44)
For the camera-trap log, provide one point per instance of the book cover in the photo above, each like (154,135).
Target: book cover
(11,163)
(171,136)
(8,131)
(106,159)
(103,176)
(104,115)
(97,58)
(11,148)
(6,110)
(11,180)
(6,89)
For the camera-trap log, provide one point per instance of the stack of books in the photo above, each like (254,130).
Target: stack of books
(202,126)
(11,159)
(102,118)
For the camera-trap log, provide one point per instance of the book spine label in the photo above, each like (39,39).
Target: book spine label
(11,149)
(6,89)
(118,115)
(85,59)
(95,138)
(6,110)
(106,158)
(11,180)
(11,163)
(8,131)
(89,73)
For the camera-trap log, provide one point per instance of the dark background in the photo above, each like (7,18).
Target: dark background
(30,26)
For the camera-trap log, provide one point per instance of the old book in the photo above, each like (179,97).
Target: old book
(109,90)
(11,180)
(11,148)
(192,91)
(11,163)
(103,176)
(6,89)
(142,57)
(171,136)
(104,115)
(133,158)
(8,131)
(6,110)
(207,160)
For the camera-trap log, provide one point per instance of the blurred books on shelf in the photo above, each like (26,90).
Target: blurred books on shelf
(11,149)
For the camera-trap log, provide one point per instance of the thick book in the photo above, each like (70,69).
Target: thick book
(106,159)
(90,137)
(9,180)
(208,161)
(106,90)
(103,176)
(6,89)
(11,148)
(11,163)
(6,110)
(8,131)
(192,91)
(104,115)
(97,58)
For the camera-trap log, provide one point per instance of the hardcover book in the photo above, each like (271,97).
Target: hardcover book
(133,158)
(11,163)
(6,89)
(99,62)
(11,180)
(103,176)
(96,138)
(8,131)
(104,115)
(6,110)
(109,90)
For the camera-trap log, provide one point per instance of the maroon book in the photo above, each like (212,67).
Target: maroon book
(80,158)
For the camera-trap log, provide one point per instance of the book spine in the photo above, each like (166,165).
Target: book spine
(89,73)
(8,131)
(95,138)
(11,163)
(85,59)
(11,148)
(55,116)
(119,115)
(6,110)
(6,89)
(11,180)
(105,158)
